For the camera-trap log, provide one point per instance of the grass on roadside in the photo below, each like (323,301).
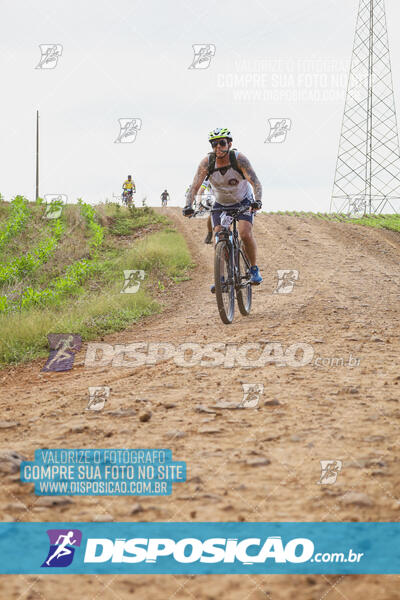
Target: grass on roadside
(99,307)
(124,221)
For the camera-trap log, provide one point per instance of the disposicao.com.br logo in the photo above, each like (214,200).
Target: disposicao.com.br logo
(192,550)
(199,548)
(184,551)
(248,551)
(175,548)
(191,354)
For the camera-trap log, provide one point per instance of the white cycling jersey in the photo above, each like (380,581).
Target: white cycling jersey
(230,188)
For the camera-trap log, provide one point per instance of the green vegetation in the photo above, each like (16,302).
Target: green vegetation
(16,221)
(134,218)
(74,274)
(391,222)
(79,289)
(18,267)
(96,231)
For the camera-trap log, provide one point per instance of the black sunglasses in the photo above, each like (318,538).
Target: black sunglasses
(215,143)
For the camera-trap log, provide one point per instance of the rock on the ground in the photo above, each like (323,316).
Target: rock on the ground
(145,416)
(52,501)
(10,461)
(357,499)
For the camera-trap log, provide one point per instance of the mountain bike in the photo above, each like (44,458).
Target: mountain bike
(127,197)
(231,267)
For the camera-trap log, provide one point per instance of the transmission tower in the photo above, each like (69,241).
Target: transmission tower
(367,178)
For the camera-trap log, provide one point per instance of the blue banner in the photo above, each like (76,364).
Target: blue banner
(200,548)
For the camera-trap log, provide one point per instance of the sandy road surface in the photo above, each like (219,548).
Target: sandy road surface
(253,465)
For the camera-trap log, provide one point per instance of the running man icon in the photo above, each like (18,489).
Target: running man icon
(61,551)
(63,347)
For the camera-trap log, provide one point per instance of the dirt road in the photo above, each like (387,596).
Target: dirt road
(252,465)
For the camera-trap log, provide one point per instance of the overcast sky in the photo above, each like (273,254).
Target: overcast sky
(130,59)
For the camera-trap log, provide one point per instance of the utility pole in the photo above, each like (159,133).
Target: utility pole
(37,155)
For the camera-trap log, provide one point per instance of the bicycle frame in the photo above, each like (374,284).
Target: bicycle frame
(231,267)
(232,237)
(127,198)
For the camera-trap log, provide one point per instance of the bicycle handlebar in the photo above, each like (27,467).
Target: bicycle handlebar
(235,212)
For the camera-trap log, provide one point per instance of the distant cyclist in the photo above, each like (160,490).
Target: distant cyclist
(207,199)
(164,198)
(128,189)
(233,182)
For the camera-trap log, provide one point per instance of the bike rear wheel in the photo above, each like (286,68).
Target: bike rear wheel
(224,283)
(244,294)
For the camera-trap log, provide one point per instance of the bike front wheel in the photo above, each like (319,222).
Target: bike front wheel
(244,291)
(224,283)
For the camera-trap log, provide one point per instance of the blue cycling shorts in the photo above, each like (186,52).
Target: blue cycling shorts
(246,216)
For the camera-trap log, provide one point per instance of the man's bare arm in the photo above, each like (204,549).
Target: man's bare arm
(250,175)
(201,174)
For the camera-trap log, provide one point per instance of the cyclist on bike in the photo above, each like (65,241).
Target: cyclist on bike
(164,198)
(128,188)
(207,200)
(233,182)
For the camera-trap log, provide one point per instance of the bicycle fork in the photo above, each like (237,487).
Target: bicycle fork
(226,236)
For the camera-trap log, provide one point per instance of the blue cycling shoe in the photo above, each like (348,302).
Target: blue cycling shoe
(212,290)
(256,278)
